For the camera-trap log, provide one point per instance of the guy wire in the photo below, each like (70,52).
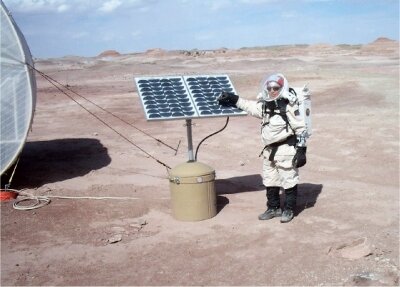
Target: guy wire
(93,103)
(49,79)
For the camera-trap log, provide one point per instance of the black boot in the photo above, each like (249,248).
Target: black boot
(273,204)
(290,204)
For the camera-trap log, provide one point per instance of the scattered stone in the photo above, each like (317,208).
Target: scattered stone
(354,250)
(139,224)
(115,238)
(364,279)
(142,221)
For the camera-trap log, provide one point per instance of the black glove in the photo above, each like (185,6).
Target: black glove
(227,99)
(299,158)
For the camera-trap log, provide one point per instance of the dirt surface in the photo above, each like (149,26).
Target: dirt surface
(346,229)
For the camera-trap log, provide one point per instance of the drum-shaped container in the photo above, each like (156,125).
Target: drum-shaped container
(193,196)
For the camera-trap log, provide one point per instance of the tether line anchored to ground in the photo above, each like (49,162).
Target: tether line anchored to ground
(103,109)
(110,113)
(52,82)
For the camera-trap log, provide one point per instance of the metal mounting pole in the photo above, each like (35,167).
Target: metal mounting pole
(189,138)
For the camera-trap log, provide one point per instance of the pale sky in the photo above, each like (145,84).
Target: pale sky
(56,28)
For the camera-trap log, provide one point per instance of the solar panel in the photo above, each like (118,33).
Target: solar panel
(165,98)
(205,90)
(177,97)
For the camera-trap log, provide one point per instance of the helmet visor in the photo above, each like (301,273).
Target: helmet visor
(272,91)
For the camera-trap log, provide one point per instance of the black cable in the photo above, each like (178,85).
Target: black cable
(93,103)
(49,79)
(198,146)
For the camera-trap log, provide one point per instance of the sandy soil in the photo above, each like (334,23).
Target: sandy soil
(346,229)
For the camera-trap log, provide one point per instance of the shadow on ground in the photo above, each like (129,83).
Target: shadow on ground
(238,184)
(44,162)
(307,193)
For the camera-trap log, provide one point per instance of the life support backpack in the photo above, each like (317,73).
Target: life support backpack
(304,102)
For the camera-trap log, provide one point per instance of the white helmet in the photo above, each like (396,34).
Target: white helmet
(274,83)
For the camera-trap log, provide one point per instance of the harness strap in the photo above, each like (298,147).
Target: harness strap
(272,154)
(291,140)
(277,107)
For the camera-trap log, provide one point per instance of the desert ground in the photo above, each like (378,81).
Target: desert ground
(346,228)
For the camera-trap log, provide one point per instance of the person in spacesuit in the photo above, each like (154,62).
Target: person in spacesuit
(283,134)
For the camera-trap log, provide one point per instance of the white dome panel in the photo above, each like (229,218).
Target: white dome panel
(18,91)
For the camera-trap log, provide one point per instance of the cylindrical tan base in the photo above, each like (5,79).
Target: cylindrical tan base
(193,197)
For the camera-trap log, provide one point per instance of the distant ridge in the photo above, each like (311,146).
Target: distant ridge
(383,43)
(383,40)
(109,53)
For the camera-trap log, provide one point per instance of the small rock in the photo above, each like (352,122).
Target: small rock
(364,278)
(354,250)
(142,221)
(139,224)
(115,238)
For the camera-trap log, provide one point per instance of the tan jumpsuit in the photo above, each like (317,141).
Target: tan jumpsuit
(280,171)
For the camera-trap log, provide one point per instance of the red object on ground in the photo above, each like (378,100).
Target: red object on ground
(7,195)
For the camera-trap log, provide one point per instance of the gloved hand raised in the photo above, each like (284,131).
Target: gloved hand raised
(299,158)
(227,99)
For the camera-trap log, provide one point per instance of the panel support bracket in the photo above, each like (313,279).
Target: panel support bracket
(189,138)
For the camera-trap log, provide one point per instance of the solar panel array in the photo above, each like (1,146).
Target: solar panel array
(176,97)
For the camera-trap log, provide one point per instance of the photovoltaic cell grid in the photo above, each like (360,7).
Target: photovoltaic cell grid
(205,89)
(165,98)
